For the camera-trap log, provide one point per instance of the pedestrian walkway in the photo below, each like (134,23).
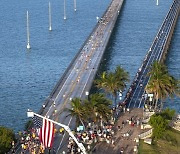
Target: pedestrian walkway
(127,128)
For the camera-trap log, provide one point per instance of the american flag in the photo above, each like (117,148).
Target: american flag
(45,130)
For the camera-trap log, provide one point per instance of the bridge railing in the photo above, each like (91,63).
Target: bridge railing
(145,134)
(165,47)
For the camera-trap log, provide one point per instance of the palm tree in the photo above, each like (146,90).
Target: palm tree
(78,111)
(122,76)
(99,107)
(113,82)
(100,83)
(112,85)
(161,84)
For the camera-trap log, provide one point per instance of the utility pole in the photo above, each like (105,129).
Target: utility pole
(75,5)
(28,42)
(64,9)
(50,25)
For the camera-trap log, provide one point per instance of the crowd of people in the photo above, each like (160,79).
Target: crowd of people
(103,132)
(90,136)
(30,142)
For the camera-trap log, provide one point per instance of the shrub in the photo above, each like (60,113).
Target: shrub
(6,137)
(28,125)
(159,125)
(168,114)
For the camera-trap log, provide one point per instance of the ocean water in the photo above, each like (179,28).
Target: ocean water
(28,76)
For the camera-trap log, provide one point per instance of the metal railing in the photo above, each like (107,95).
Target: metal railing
(145,134)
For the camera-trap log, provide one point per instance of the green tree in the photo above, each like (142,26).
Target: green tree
(113,82)
(168,113)
(108,83)
(28,125)
(78,111)
(159,125)
(98,107)
(161,84)
(122,76)
(112,85)
(101,82)
(6,138)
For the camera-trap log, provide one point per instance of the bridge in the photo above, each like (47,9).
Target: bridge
(79,76)
(135,96)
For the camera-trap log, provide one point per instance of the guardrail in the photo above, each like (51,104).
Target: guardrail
(145,134)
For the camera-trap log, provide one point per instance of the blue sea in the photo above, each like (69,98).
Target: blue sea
(28,76)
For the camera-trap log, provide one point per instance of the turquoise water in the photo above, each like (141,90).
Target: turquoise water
(27,77)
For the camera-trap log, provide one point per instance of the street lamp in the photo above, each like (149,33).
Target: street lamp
(101,121)
(150,97)
(43,106)
(80,145)
(120,95)
(97,18)
(87,93)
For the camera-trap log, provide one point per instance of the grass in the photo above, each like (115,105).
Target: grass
(169,144)
(145,148)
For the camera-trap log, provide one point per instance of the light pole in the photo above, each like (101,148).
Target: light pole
(120,95)
(97,18)
(80,145)
(150,99)
(87,94)
(101,123)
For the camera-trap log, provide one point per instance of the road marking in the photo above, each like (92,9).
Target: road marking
(63,136)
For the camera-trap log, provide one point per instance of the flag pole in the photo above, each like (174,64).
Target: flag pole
(80,145)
